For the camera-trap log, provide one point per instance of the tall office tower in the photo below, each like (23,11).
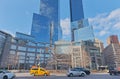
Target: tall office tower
(49,13)
(76,9)
(113,39)
(80,29)
(40,28)
(50,9)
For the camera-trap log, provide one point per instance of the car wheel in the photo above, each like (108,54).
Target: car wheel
(35,74)
(71,75)
(115,73)
(45,74)
(5,77)
(110,73)
(32,74)
(82,75)
(88,73)
(12,77)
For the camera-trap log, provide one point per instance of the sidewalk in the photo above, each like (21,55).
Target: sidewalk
(22,74)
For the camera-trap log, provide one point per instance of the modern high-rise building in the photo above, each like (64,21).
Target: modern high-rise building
(5,39)
(112,55)
(21,52)
(113,39)
(76,9)
(80,28)
(41,28)
(50,9)
(49,13)
(84,34)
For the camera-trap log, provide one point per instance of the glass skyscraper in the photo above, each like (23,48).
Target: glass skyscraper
(40,28)
(49,12)
(80,29)
(76,10)
(84,34)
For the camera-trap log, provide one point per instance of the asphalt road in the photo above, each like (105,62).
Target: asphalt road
(92,76)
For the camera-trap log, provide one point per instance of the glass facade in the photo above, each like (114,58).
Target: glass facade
(26,54)
(22,48)
(81,31)
(49,13)
(12,52)
(50,9)
(2,42)
(84,34)
(21,51)
(24,36)
(79,24)
(5,39)
(76,9)
(40,28)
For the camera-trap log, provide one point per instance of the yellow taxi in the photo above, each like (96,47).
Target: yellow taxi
(38,71)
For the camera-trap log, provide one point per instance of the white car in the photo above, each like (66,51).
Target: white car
(4,74)
(75,72)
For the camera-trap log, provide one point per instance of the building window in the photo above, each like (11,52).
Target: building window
(92,54)
(14,40)
(31,49)
(31,44)
(21,61)
(13,46)
(41,58)
(30,54)
(12,52)
(47,55)
(39,44)
(42,55)
(32,58)
(31,61)
(42,50)
(22,48)
(39,50)
(21,57)
(21,53)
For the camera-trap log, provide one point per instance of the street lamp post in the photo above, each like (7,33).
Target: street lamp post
(38,61)
(28,62)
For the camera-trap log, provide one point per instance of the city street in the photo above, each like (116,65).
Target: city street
(63,76)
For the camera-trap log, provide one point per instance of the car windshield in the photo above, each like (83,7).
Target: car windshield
(6,71)
(34,68)
(74,69)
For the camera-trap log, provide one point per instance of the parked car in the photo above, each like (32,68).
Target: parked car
(78,72)
(38,71)
(85,70)
(114,71)
(4,74)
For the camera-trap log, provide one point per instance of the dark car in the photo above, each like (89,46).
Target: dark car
(84,70)
(114,71)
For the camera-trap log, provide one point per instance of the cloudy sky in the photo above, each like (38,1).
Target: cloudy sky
(103,15)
